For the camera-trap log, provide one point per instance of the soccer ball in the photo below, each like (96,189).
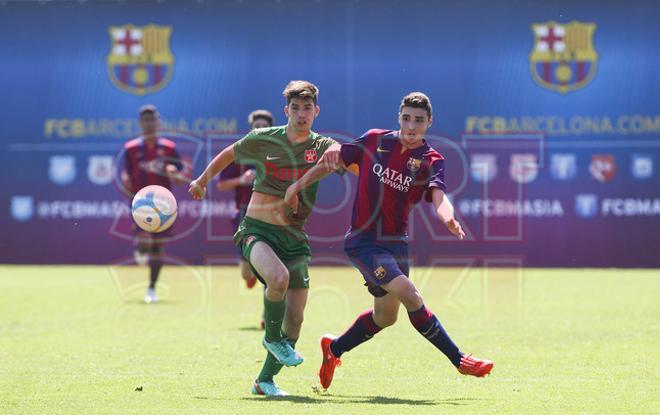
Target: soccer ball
(154,208)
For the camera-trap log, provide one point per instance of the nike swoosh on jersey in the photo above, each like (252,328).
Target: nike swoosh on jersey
(271,158)
(382,150)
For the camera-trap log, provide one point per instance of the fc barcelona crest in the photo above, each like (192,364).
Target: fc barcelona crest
(380,272)
(413,164)
(140,61)
(563,58)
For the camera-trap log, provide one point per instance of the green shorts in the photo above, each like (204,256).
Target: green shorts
(289,244)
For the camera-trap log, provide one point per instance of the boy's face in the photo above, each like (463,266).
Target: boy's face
(301,113)
(259,123)
(413,122)
(149,123)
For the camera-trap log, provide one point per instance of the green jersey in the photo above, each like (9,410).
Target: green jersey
(279,163)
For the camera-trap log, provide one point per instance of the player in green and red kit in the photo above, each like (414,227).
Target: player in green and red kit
(397,169)
(270,236)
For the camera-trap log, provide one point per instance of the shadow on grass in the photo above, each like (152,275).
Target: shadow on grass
(290,398)
(250,328)
(156,304)
(348,399)
(386,400)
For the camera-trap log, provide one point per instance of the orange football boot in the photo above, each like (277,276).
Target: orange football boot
(473,366)
(330,362)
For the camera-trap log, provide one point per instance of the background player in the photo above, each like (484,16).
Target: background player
(239,177)
(396,169)
(149,160)
(272,239)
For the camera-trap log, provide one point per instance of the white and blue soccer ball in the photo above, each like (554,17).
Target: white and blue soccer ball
(154,208)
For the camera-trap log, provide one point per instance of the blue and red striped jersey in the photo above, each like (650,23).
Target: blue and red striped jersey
(392,180)
(145,163)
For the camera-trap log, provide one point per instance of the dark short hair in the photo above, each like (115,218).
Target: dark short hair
(263,114)
(148,109)
(301,89)
(417,100)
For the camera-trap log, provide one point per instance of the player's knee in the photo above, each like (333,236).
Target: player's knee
(412,299)
(385,319)
(278,280)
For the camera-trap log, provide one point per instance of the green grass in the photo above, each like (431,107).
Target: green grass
(79,340)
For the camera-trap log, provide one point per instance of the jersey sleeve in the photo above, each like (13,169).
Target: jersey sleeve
(248,149)
(324,144)
(436,177)
(352,152)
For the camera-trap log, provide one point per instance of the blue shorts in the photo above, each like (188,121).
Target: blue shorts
(378,261)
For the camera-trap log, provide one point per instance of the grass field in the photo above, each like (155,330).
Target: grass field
(79,340)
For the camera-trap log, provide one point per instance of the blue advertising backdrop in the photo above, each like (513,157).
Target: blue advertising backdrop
(547,115)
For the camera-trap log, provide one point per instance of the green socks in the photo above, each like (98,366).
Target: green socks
(273,317)
(271,366)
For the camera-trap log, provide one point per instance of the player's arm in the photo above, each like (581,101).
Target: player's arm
(198,186)
(435,193)
(314,174)
(332,160)
(126,184)
(337,156)
(445,211)
(232,183)
(175,175)
(329,162)
(174,168)
(229,184)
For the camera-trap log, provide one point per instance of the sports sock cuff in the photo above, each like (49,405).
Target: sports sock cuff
(367,319)
(276,304)
(420,317)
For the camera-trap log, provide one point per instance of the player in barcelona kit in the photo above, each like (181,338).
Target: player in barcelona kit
(396,170)
(270,236)
(150,160)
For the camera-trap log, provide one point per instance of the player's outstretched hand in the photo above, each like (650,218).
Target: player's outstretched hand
(455,228)
(291,198)
(197,190)
(175,175)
